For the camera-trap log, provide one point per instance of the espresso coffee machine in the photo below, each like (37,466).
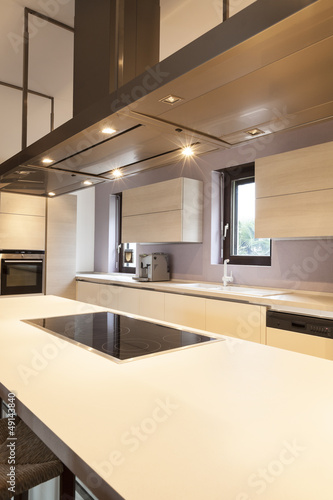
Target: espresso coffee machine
(153,267)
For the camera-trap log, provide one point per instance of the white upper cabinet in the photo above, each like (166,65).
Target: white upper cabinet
(294,193)
(169,211)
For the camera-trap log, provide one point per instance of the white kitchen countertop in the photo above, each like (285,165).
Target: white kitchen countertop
(231,420)
(303,302)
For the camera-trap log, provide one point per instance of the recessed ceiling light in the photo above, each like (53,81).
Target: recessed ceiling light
(51,193)
(171,99)
(117,173)
(255,131)
(188,151)
(47,161)
(87,183)
(108,130)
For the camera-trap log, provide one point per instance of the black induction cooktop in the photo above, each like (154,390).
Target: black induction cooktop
(119,336)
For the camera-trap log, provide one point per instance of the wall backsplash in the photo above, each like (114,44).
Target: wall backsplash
(296,264)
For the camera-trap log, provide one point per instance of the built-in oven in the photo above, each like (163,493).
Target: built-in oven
(22,271)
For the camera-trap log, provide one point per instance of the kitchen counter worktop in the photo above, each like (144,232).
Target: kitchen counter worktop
(304,302)
(231,420)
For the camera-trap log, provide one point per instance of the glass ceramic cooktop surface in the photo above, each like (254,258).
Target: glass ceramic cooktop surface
(119,336)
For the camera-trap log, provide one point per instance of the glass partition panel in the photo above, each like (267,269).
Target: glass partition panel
(238,5)
(181,22)
(10,122)
(51,68)
(39,122)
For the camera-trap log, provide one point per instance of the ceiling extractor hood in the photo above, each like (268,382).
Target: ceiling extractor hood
(266,69)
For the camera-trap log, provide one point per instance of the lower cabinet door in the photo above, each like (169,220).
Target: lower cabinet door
(243,321)
(151,304)
(97,294)
(300,342)
(108,296)
(185,310)
(128,299)
(87,292)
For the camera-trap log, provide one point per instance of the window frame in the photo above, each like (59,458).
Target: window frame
(227,176)
(120,247)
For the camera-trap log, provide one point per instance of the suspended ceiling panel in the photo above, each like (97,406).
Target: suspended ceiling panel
(270,66)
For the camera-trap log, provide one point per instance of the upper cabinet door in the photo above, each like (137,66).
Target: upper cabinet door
(294,193)
(22,222)
(169,211)
(12,203)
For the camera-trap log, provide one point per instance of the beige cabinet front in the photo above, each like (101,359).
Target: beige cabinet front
(22,232)
(169,211)
(61,246)
(243,321)
(87,292)
(22,222)
(300,342)
(294,193)
(12,203)
(146,303)
(151,304)
(185,310)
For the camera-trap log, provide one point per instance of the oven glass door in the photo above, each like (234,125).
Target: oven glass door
(21,276)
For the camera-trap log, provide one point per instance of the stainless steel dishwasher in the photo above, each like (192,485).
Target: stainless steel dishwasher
(300,333)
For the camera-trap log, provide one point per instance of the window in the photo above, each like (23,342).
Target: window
(125,252)
(238,243)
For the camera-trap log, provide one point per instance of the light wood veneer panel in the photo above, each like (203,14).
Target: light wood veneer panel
(169,211)
(61,247)
(306,169)
(156,227)
(295,215)
(11,203)
(22,232)
(159,197)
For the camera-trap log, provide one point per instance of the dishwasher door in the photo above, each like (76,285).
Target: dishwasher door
(299,333)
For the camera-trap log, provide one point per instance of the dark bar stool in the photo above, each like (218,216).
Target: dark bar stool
(34,463)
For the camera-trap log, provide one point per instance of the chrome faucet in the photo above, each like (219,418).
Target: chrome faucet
(225,278)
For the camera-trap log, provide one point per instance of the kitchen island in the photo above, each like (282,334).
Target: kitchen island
(231,420)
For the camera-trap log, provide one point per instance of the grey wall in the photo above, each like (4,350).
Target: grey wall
(302,264)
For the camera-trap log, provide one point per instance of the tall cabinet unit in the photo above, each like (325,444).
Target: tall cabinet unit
(169,211)
(61,246)
(294,193)
(22,222)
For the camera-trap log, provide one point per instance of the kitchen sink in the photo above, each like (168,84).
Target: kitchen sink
(206,286)
(230,289)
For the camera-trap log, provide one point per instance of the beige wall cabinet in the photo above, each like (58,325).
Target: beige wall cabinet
(169,211)
(294,193)
(61,246)
(234,319)
(12,203)
(298,342)
(22,222)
